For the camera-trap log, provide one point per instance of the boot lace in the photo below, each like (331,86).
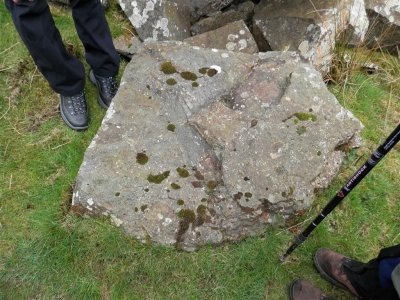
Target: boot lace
(77,104)
(110,85)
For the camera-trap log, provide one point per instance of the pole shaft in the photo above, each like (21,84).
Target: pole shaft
(375,158)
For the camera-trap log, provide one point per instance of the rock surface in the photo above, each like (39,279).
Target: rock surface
(200,8)
(205,146)
(384,30)
(127,45)
(235,36)
(158,20)
(242,12)
(312,28)
(309,27)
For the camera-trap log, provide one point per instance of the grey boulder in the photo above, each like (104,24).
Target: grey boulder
(384,29)
(158,20)
(206,146)
(309,27)
(234,36)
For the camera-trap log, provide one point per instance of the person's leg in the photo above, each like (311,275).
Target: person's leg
(36,27)
(396,279)
(95,35)
(362,279)
(101,55)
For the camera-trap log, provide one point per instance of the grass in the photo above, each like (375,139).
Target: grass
(46,252)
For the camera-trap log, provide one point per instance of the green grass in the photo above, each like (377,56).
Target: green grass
(46,252)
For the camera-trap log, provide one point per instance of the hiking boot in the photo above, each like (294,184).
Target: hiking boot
(107,87)
(74,111)
(304,290)
(331,266)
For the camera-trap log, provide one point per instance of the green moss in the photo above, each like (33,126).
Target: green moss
(304,116)
(201,210)
(146,190)
(189,76)
(195,84)
(301,130)
(142,158)
(187,215)
(175,186)
(203,71)
(183,172)
(117,194)
(289,193)
(211,185)
(180,202)
(167,68)
(171,127)
(136,209)
(319,153)
(143,207)
(211,72)
(171,81)
(157,179)
(248,195)
(147,86)
(204,200)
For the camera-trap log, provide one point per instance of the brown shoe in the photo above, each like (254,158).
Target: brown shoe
(304,290)
(330,266)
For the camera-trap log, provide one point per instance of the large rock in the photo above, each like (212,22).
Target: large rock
(159,20)
(244,11)
(309,27)
(127,45)
(384,30)
(358,23)
(200,8)
(206,146)
(232,37)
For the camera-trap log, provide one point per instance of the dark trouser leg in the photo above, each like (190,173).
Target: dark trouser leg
(367,280)
(95,35)
(34,23)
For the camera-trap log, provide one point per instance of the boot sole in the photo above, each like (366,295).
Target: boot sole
(94,82)
(77,128)
(291,289)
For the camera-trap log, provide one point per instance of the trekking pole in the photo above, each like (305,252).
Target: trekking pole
(379,153)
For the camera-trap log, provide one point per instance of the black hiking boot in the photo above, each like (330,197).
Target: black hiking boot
(107,87)
(74,111)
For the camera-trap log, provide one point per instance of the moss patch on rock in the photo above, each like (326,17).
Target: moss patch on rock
(167,68)
(171,81)
(171,127)
(175,186)
(157,179)
(183,172)
(142,158)
(187,215)
(304,116)
(189,76)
